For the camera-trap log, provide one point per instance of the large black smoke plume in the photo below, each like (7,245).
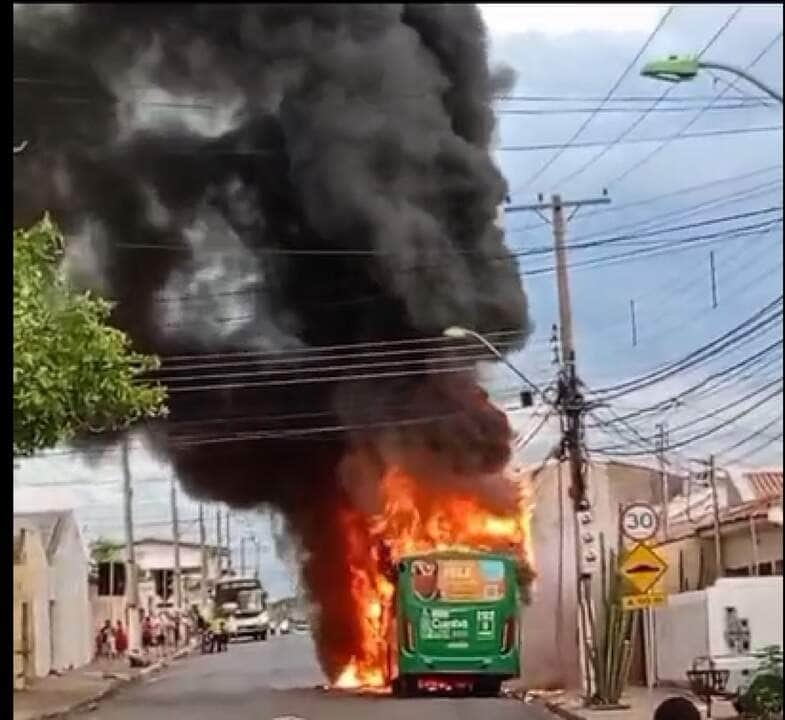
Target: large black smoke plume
(268,179)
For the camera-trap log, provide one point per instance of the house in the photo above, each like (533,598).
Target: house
(32,652)
(155,562)
(550,622)
(748,533)
(52,611)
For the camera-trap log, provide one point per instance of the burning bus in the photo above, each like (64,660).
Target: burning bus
(437,582)
(455,622)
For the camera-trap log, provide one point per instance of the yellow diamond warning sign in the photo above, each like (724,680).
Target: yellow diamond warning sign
(642,568)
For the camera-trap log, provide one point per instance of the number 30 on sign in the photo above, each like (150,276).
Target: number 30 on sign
(639,522)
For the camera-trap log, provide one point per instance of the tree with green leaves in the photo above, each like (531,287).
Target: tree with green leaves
(73,372)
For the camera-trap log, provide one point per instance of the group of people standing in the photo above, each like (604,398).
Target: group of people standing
(161,632)
(112,642)
(165,630)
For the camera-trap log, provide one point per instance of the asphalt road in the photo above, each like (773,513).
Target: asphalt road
(280,678)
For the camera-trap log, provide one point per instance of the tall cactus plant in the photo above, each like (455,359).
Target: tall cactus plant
(613,638)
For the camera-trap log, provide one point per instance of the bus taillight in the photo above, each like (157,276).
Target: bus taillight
(409,630)
(508,635)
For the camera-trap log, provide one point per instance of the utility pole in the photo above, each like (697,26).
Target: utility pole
(228,543)
(203,543)
(720,571)
(218,540)
(131,581)
(178,599)
(572,407)
(242,556)
(662,439)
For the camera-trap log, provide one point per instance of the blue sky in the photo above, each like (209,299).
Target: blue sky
(576,52)
(566,51)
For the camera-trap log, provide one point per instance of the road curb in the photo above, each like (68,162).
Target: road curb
(560,710)
(114,686)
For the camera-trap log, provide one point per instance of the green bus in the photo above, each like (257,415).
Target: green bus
(456,622)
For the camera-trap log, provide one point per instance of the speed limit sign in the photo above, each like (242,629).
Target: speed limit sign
(639,522)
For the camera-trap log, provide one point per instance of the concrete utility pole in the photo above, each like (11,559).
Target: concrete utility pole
(178,597)
(572,406)
(131,581)
(662,439)
(242,556)
(218,540)
(228,543)
(203,543)
(715,506)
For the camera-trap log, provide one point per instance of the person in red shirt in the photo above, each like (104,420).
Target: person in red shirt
(120,639)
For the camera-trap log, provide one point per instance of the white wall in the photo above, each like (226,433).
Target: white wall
(548,629)
(72,621)
(31,585)
(547,663)
(682,634)
(156,557)
(759,599)
(693,624)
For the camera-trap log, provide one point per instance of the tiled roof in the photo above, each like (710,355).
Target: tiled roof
(758,509)
(766,483)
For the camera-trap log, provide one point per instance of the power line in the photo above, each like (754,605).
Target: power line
(620,139)
(574,245)
(623,98)
(681,192)
(323,369)
(733,336)
(706,433)
(724,374)
(638,141)
(417,341)
(421,354)
(617,110)
(708,415)
(614,88)
(754,435)
(754,451)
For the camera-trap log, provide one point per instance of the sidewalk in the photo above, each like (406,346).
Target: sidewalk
(642,704)
(54,696)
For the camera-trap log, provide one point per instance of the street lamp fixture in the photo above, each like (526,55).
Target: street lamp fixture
(458,332)
(681,68)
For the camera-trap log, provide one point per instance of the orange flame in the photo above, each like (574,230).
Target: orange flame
(415,518)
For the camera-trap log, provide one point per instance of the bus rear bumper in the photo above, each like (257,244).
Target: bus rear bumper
(503,666)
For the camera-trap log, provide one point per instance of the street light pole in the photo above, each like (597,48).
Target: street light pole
(713,65)
(677,69)
(456,331)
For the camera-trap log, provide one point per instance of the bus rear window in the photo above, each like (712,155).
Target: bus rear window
(458,580)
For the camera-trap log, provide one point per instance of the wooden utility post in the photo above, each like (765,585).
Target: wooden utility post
(203,543)
(178,587)
(131,579)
